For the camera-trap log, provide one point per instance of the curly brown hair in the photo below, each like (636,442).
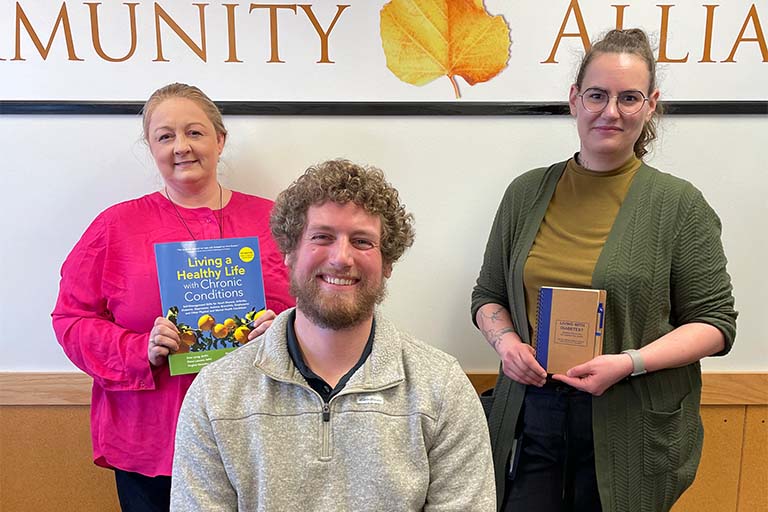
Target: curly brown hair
(342,181)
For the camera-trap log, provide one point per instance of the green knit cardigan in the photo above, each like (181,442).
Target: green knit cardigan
(663,266)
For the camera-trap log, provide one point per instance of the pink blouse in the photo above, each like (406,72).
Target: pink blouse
(108,301)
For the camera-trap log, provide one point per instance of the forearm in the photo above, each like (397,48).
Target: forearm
(517,358)
(86,328)
(114,357)
(495,323)
(684,345)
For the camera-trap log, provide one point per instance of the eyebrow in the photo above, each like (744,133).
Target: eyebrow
(357,232)
(606,90)
(166,127)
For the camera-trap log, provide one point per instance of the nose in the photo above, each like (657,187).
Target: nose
(180,145)
(612,108)
(341,255)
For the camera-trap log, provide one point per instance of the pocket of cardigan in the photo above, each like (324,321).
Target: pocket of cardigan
(486,400)
(661,439)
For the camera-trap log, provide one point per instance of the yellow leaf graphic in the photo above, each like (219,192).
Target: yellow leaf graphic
(426,39)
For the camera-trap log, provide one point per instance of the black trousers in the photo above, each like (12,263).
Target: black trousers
(139,493)
(554,467)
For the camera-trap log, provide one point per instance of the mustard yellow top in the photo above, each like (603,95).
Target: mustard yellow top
(574,230)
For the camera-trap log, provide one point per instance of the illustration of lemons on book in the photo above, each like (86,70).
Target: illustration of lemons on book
(210,334)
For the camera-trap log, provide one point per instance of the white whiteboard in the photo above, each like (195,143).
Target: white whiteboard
(59,172)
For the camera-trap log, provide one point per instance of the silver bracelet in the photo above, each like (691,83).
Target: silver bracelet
(638,366)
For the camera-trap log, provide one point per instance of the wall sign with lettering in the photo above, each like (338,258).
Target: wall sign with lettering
(447,51)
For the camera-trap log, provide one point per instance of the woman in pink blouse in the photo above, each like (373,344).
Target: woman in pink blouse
(106,317)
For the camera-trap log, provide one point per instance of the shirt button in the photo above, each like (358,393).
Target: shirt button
(326,389)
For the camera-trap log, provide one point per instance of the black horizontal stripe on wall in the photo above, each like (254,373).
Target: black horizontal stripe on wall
(352,108)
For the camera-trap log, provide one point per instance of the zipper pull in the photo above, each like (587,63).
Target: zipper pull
(326,412)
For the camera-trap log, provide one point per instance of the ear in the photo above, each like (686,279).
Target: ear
(653,99)
(221,138)
(288,260)
(387,270)
(573,97)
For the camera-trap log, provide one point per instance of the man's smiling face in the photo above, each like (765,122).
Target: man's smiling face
(337,271)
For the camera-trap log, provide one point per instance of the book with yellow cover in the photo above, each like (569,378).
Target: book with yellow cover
(569,327)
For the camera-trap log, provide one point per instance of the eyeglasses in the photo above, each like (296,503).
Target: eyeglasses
(629,102)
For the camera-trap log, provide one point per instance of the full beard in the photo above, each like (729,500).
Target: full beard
(335,310)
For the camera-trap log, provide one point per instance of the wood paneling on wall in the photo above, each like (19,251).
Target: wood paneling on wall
(46,463)
(753,485)
(75,388)
(45,446)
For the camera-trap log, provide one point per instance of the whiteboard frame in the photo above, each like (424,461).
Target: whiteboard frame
(352,108)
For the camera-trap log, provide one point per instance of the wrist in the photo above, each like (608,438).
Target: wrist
(505,339)
(638,363)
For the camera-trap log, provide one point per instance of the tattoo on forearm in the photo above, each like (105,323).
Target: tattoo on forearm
(494,316)
(494,335)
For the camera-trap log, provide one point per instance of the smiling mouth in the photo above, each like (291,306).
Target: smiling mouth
(338,281)
(186,162)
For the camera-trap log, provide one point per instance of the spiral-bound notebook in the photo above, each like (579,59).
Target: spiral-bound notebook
(569,327)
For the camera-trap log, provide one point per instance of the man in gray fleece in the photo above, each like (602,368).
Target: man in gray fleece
(333,408)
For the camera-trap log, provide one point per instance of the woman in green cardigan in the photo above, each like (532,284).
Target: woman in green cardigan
(621,432)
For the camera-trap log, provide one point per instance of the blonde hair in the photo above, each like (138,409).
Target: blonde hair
(190,92)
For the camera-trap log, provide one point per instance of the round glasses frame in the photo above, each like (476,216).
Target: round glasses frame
(629,109)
